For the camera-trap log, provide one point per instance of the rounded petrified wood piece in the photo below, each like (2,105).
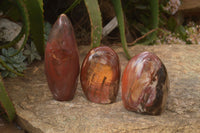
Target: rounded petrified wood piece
(100,75)
(145,84)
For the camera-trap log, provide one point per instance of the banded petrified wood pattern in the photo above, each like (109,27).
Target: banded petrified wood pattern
(62,60)
(100,74)
(145,84)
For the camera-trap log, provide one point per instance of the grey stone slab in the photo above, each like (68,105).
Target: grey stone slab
(38,112)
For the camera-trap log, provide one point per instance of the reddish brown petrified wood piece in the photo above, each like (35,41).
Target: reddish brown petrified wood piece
(145,84)
(100,75)
(62,60)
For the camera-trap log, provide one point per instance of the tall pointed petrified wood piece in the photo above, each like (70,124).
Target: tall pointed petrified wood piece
(62,60)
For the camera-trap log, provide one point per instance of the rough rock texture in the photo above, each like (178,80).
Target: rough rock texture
(190,8)
(39,113)
(9,30)
(190,5)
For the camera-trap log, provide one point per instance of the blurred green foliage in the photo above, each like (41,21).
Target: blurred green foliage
(96,21)
(12,61)
(15,63)
(31,53)
(143,16)
(7,109)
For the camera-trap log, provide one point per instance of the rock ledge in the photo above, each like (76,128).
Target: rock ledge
(38,113)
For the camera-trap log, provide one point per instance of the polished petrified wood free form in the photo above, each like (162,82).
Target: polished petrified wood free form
(145,84)
(62,60)
(100,75)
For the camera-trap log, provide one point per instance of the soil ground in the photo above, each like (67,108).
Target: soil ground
(6,127)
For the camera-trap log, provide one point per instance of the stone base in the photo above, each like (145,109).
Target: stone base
(189,4)
(38,112)
(190,8)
